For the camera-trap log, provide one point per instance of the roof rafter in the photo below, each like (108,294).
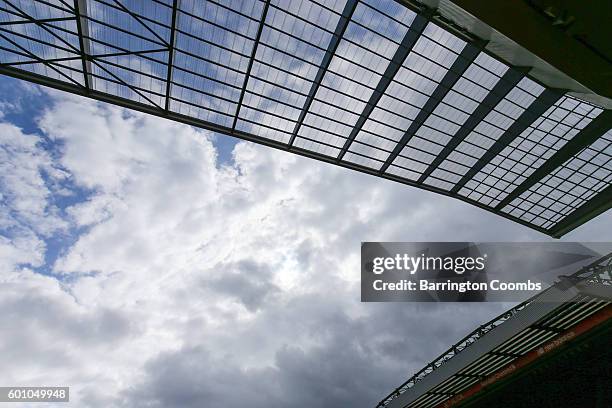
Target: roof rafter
(38,20)
(171,53)
(38,59)
(80,11)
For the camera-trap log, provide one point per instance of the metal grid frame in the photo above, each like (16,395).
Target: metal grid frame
(384,87)
(563,317)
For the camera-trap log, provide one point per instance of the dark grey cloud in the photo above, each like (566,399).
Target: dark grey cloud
(326,359)
(52,318)
(247,281)
(44,336)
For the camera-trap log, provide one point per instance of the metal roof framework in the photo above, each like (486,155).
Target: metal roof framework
(383,87)
(546,317)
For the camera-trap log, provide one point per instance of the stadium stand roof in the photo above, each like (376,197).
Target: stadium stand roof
(388,88)
(500,348)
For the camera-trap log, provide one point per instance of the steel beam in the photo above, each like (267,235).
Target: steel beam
(461,64)
(23,54)
(537,108)
(410,38)
(80,11)
(262,22)
(173,25)
(343,22)
(507,82)
(593,131)
(38,21)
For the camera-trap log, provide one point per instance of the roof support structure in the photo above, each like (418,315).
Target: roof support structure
(88,57)
(595,129)
(178,117)
(73,49)
(262,22)
(39,20)
(23,54)
(410,38)
(343,22)
(499,91)
(80,11)
(36,58)
(33,20)
(51,55)
(461,64)
(171,53)
(537,108)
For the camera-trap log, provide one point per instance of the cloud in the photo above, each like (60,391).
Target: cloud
(189,282)
(49,338)
(247,281)
(352,362)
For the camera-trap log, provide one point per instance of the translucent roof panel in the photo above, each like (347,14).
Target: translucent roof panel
(412,86)
(425,68)
(290,50)
(466,95)
(530,150)
(373,85)
(371,38)
(213,46)
(568,187)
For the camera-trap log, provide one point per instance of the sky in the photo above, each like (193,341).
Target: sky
(146,263)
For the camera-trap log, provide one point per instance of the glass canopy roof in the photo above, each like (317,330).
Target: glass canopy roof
(378,86)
